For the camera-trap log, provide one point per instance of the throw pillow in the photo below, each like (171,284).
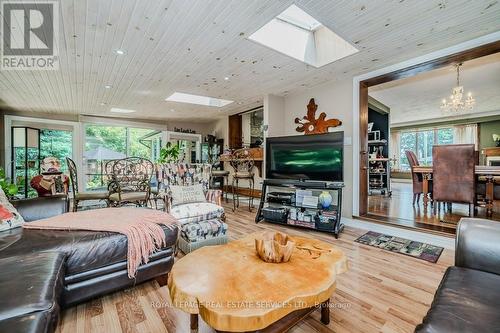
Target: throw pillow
(9,216)
(187,194)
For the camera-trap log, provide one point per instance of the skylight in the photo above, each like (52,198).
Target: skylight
(119,110)
(197,99)
(296,16)
(299,35)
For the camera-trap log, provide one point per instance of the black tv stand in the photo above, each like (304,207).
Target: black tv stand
(297,214)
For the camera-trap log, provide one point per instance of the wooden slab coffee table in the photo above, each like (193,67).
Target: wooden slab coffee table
(234,291)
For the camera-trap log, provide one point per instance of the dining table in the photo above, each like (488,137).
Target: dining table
(487,172)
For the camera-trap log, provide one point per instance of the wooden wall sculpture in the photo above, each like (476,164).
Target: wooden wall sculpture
(310,125)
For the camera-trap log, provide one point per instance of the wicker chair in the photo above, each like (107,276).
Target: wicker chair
(82,196)
(130,182)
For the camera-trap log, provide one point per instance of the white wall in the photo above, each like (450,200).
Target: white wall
(200,128)
(274,112)
(220,128)
(335,99)
(246,130)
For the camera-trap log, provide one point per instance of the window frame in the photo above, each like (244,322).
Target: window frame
(416,131)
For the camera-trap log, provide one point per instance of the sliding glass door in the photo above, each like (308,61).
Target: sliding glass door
(31,143)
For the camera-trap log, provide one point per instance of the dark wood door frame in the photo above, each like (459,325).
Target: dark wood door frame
(363,149)
(448,60)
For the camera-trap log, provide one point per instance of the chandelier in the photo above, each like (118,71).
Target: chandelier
(457,103)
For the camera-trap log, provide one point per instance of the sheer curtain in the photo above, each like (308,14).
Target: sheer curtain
(465,134)
(394,148)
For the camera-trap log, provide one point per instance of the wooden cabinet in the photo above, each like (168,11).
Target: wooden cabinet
(235,132)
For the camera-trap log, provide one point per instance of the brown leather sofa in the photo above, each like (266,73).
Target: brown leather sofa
(93,264)
(468,297)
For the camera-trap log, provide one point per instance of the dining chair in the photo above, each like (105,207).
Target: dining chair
(454,181)
(130,182)
(242,163)
(82,196)
(417,179)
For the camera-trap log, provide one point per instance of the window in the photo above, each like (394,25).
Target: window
(57,143)
(408,142)
(297,34)
(445,136)
(104,144)
(425,141)
(421,142)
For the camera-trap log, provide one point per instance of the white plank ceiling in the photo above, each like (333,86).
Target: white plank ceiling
(191,45)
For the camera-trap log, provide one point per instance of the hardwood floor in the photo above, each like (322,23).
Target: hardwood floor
(399,209)
(381,292)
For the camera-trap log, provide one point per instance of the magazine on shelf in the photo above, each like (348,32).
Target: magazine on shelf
(310,201)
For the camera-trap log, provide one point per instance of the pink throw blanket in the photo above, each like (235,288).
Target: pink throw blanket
(141,226)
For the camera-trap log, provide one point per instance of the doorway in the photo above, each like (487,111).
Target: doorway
(420,140)
(189,145)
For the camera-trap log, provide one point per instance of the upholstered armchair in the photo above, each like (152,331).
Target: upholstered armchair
(197,207)
(130,181)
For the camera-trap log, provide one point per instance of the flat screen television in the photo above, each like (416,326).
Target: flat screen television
(306,157)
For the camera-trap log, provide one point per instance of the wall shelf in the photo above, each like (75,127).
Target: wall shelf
(379,182)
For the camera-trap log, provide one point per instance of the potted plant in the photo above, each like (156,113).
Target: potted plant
(496,138)
(169,153)
(9,188)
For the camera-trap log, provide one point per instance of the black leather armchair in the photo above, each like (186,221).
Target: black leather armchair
(41,207)
(468,297)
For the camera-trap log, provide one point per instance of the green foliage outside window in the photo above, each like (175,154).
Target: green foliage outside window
(421,142)
(9,188)
(127,141)
(56,143)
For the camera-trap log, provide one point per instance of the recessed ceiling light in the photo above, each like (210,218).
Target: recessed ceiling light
(120,52)
(119,110)
(108,86)
(197,99)
(226,78)
(172,110)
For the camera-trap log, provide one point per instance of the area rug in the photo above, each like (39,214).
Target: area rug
(404,246)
